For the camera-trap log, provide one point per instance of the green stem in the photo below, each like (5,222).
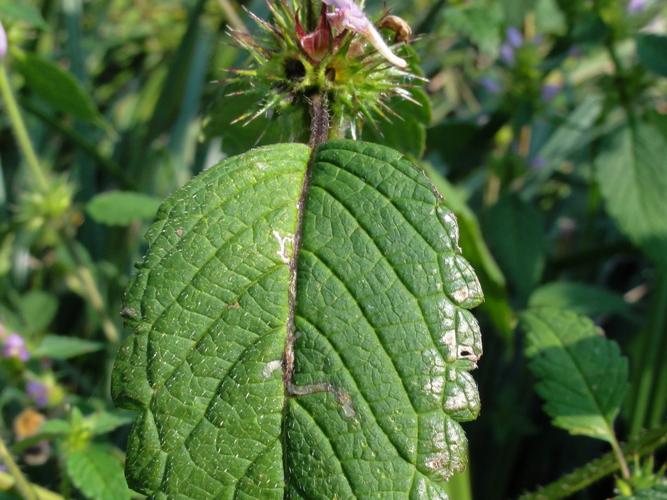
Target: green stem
(22,484)
(649,356)
(92,291)
(38,176)
(111,167)
(7,483)
(618,453)
(592,472)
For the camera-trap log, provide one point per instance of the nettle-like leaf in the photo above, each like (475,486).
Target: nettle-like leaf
(301,335)
(98,475)
(581,374)
(633,180)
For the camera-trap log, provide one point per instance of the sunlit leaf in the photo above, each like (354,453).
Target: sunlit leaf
(97,473)
(380,315)
(582,375)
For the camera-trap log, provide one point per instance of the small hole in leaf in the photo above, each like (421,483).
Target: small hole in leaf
(330,74)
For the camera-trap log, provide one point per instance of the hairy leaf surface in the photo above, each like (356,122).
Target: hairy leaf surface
(380,321)
(582,375)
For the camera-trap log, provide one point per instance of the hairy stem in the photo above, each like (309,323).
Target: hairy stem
(37,175)
(320,121)
(592,472)
(20,481)
(620,458)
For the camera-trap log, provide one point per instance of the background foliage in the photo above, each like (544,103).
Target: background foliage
(546,131)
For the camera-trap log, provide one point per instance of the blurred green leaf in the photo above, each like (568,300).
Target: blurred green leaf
(37,310)
(632,173)
(121,208)
(59,347)
(55,427)
(651,49)
(582,375)
(480,21)
(567,139)
(657,492)
(514,231)
(581,298)
(407,131)
(56,86)
(104,422)
(97,473)
(15,10)
(549,18)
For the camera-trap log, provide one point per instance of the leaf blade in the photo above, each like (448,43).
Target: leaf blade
(582,376)
(633,179)
(225,397)
(121,208)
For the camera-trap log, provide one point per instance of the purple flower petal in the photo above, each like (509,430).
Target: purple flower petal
(490,85)
(38,392)
(348,15)
(514,37)
(538,163)
(549,91)
(636,6)
(14,347)
(507,53)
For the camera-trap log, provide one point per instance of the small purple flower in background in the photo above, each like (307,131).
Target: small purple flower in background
(538,163)
(513,40)
(14,347)
(38,392)
(348,15)
(549,91)
(514,37)
(636,6)
(3,42)
(490,85)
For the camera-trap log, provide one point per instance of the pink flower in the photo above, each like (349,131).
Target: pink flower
(348,15)
(3,42)
(14,347)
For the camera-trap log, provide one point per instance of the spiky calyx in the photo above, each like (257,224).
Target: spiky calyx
(344,57)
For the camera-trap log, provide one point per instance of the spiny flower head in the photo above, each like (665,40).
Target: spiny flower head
(344,56)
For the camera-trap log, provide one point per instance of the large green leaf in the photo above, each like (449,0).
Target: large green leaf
(379,317)
(632,172)
(582,375)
